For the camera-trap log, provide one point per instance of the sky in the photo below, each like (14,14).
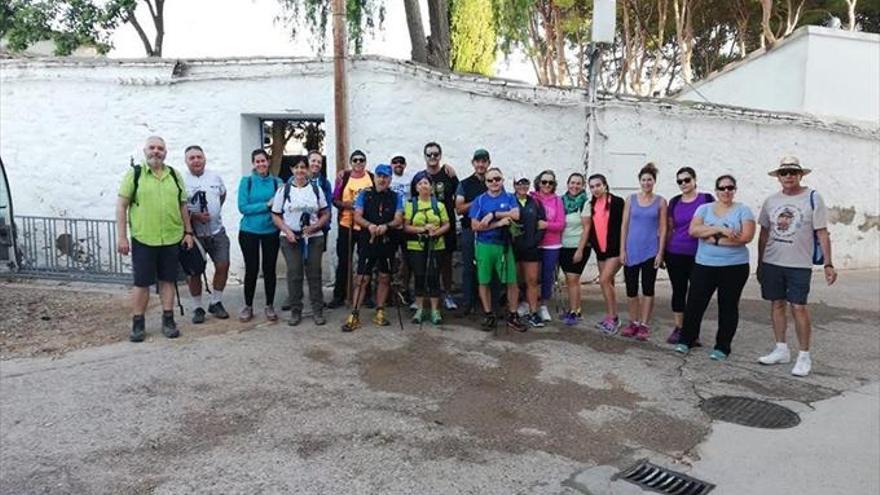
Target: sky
(199,28)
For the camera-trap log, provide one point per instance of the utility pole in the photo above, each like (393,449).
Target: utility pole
(340,86)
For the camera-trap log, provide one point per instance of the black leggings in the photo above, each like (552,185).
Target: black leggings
(631,277)
(729,280)
(251,244)
(679,267)
(427,277)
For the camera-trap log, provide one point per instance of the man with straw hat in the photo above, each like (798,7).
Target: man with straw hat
(793,238)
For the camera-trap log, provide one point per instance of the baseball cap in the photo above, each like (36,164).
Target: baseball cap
(481,154)
(383,169)
(519,176)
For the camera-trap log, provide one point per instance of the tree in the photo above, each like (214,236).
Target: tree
(74,23)
(473,36)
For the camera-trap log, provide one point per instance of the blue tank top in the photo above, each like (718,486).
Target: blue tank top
(642,239)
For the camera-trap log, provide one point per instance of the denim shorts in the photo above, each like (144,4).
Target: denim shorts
(781,283)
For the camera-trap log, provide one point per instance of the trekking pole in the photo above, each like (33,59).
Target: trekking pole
(429,249)
(348,276)
(395,290)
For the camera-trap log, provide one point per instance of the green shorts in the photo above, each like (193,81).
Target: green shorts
(491,260)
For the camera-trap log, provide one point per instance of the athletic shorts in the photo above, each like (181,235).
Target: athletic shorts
(377,256)
(493,261)
(602,256)
(217,246)
(566,261)
(527,255)
(152,263)
(780,283)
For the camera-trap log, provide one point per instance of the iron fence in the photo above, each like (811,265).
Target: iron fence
(70,248)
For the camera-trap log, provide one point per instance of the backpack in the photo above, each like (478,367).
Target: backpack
(286,197)
(193,260)
(250,184)
(675,200)
(346,174)
(415,207)
(137,176)
(818,256)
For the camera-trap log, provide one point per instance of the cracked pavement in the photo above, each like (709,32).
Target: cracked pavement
(278,409)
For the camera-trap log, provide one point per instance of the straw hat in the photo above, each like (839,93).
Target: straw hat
(789,163)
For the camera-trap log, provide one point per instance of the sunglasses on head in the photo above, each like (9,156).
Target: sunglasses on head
(726,188)
(686,180)
(548,182)
(786,173)
(494,179)
(434,154)
(358,160)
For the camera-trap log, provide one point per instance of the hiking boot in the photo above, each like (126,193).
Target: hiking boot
(436,319)
(544,313)
(643,332)
(198,316)
(418,316)
(286,305)
(522,309)
(169,328)
(352,323)
(319,319)
(489,322)
(609,325)
(449,303)
(803,365)
(336,303)
(218,310)
(569,318)
(271,315)
(246,314)
(514,323)
(675,336)
(295,318)
(717,355)
(379,319)
(534,321)
(578,314)
(779,355)
(138,329)
(630,330)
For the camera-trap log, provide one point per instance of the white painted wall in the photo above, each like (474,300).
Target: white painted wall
(816,70)
(68,129)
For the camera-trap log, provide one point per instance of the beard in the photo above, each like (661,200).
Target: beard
(154,160)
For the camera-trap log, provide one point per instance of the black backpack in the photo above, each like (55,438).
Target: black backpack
(287,194)
(137,177)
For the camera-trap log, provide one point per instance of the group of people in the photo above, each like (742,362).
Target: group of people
(403,225)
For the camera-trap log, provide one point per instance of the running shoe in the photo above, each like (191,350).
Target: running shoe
(198,316)
(630,330)
(717,355)
(675,336)
(534,320)
(417,316)
(449,303)
(544,313)
(569,318)
(218,310)
(489,322)
(246,314)
(643,332)
(271,315)
(609,325)
(522,309)
(514,323)
(352,323)
(682,348)
(436,319)
(379,318)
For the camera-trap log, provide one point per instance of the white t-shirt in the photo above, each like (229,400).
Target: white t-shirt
(401,183)
(213,188)
(792,220)
(302,202)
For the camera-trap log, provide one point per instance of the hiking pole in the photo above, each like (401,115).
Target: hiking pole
(395,289)
(429,250)
(348,276)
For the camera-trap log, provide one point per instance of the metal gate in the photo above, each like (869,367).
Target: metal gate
(70,248)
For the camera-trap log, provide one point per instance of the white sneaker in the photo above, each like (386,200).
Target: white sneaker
(522,309)
(414,306)
(544,313)
(449,302)
(779,355)
(802,366)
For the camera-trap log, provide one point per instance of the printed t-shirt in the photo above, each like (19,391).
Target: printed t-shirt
(425,215)
(486,203)
(302,205)
(792,220)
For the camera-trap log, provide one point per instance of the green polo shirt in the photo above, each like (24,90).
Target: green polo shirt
(154,216)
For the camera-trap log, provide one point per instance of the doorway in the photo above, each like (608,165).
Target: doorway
(287,139)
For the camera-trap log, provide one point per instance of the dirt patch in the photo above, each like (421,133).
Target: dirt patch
(45,320)
(322,356)
(496,405)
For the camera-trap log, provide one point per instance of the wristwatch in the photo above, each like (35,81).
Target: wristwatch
(187,233)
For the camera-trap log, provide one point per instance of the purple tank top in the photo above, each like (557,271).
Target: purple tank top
(642,241)
(682,213)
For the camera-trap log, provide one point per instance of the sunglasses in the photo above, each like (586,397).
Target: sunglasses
(786,173)
(301,165)
(358,160)
(398,162)
(522,183)
(726,188)
(493,179)
(548,182)
(686,180)
(433,155)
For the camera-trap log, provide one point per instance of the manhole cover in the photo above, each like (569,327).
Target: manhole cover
(651,477)
(750,412)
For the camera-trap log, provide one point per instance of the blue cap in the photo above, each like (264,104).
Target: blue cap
(383,169)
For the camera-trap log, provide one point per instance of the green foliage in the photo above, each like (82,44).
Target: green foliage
(473,36)
(68,23)
(363,17)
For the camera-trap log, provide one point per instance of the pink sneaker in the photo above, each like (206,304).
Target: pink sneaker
(643,332)
(630,329)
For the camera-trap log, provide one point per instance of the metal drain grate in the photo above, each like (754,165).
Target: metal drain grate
(661,480)
(750,412)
